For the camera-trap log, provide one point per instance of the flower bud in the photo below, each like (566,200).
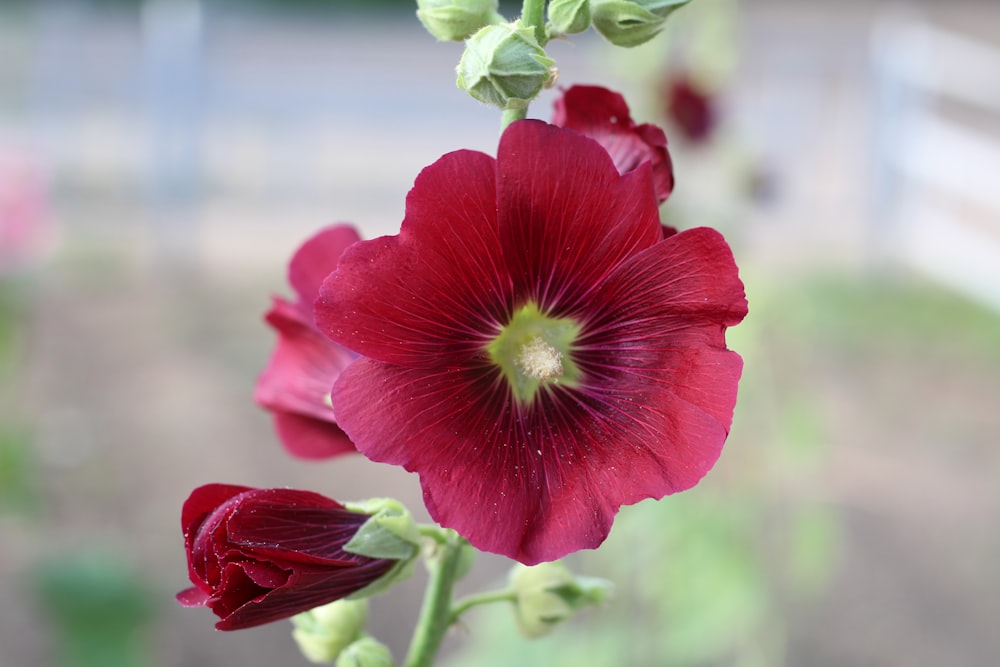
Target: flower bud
(631,22)
(456,20)
(366,652)
(549,593)
(504,65)
(260,555)
(568,17)
(324,632)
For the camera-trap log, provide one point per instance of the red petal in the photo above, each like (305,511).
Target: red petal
(293,526)
(317,258)
(193,597)
(297,382)
(303,366)
(438,287)
(567,218)
(306,589)
(309,438)
(203,501)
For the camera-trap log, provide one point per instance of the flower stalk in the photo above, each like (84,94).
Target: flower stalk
(533,14)
(444,566)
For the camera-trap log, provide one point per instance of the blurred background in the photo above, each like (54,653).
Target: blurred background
(161,159)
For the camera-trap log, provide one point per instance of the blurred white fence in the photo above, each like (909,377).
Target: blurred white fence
(937,143)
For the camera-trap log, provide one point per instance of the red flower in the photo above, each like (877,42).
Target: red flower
(535,346)
(296,384)
(260,555)
(690,108)
(603,116)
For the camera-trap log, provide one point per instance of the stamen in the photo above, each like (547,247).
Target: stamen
(539,360)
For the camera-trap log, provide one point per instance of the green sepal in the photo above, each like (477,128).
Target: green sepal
(390,533)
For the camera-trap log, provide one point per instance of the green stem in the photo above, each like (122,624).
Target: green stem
(533,14)
(435,614)
(465,604)
(508,116)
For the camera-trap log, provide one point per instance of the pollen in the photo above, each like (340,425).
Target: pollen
(539,360)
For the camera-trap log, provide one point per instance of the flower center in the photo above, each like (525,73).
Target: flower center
(533,350)
(539,360)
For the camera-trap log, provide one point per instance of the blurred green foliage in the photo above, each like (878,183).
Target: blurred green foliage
(99,610)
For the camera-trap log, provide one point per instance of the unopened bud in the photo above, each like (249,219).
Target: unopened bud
(324,632)
(631,22)
(548,594)
(568,17)
(456,20)
(504,65)
(366,652)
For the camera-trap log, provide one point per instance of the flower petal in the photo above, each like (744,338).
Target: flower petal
(305,589)
(310,438)
(438,287)
(507,481)
(316,258)
(303,366)
(567,217)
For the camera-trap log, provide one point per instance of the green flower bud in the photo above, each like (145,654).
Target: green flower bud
(322,633)
(549,593)
(389,533)
(568,17)
(456,20)
(503,65)
(631,22)
(366,652)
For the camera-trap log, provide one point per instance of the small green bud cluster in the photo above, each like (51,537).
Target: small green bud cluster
(548,594)
(505,66)
(631,22)
(323,633)
(457,20)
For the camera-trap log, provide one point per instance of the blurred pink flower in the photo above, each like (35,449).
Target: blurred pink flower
(23,209)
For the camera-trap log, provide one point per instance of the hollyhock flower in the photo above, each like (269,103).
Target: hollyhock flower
(260,555)
(296,383)
(535,345)
(23,210)
(604,116)
(690,108)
